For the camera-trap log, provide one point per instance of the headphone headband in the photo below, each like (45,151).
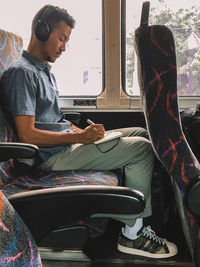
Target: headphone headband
(47,12)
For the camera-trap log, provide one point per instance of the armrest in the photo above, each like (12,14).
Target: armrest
(46,209)
(12,150)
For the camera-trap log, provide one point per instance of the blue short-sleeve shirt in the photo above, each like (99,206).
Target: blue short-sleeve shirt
(29,88)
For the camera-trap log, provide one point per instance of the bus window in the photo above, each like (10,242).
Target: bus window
(183,19)
(79,71)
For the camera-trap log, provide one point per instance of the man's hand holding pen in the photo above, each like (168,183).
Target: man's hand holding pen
(92,133)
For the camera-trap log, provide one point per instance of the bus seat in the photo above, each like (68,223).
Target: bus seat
(17,245)
(56,206)
(157,73)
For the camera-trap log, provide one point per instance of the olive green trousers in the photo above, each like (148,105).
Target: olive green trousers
(133,152)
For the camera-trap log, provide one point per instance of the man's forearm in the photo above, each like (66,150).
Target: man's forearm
(27,133)
(44,138)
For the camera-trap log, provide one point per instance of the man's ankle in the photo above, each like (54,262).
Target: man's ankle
(131,232)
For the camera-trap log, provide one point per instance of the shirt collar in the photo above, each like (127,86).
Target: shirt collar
(35,61)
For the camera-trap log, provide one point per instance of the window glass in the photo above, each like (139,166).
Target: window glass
(79,70)
(183,18)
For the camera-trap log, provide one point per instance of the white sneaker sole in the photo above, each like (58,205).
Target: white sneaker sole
(147,254)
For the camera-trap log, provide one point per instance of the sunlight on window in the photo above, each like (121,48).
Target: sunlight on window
(79,71)
(183,18)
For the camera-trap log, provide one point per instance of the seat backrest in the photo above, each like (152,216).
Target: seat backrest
(11,46)
(157,68)
(155,48)
(10,50)
(17,246)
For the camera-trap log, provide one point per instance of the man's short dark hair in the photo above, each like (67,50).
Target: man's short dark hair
(57,15)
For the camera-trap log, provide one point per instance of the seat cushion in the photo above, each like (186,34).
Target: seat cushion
(11,182)
(40,179)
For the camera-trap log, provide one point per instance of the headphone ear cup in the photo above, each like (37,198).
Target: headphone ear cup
(42,31)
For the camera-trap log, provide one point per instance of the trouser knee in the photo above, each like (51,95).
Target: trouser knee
(146,150)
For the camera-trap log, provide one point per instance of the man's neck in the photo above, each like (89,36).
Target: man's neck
(35,50)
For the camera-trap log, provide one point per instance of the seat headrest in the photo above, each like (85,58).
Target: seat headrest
(10,49)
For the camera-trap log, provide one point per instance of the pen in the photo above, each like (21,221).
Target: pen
(90,122)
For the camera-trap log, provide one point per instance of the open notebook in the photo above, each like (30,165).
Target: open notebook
(108,136)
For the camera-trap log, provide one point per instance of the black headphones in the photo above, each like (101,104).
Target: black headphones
(42,29)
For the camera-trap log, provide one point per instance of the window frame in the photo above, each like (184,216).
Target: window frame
(117,62)
(64,99)
(112,96)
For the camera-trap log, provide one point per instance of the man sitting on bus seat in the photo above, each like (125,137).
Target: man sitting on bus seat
(30,95)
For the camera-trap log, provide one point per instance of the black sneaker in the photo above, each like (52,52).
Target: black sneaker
(148,244)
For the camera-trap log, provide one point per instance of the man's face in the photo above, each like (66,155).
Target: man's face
(56,44)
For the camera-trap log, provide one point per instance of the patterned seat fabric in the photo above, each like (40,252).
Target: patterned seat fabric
(17,247)
(10,49)
(155,48)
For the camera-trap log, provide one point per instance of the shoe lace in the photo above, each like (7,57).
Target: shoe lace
(147,231)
